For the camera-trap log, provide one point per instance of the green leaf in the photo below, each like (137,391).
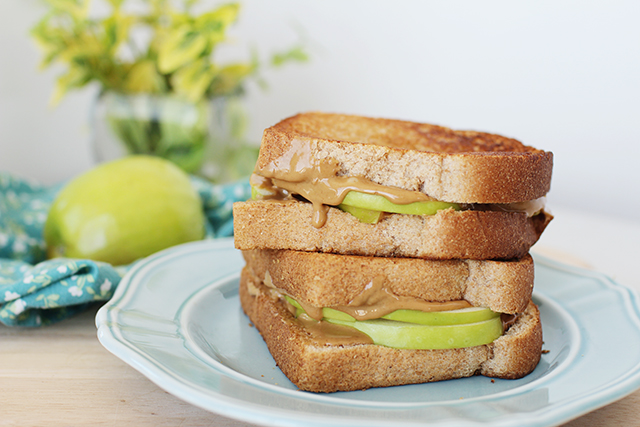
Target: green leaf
(116,30)
(225,15)
(74,78)
(78,9)
(116,3)
(193,80)
(181,46)
(214,24)
(230,78)
(87,46)
(188,4)
(50,40)
(295,54)
(177,59)
(143,77)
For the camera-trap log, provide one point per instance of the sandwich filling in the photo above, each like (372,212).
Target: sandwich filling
(296,174)
(377,316)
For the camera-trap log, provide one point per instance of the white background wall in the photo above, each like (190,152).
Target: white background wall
(558,75)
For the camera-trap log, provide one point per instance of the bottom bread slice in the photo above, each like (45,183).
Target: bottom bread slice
(318,367)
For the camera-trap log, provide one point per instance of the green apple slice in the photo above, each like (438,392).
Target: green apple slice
(433,318)
(260,193)
(364,215)
(376,202)
(403,335)
(439,318)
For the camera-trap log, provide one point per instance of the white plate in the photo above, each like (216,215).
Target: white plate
(176,318)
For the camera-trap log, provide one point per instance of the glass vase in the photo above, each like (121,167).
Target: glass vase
(204,138)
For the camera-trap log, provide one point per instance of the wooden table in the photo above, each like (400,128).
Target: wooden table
(62,376)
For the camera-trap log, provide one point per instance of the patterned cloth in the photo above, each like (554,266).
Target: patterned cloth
(35,291)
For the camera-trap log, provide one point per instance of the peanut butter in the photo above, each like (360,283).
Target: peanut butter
(321,332)
(328,333)
(319,182)
(376,301)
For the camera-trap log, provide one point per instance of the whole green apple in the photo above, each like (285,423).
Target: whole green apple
(124,210)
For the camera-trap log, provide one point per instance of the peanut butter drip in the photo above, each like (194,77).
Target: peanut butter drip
(321,332)
(297,172)
(376,301)
(270,192)
(329,333)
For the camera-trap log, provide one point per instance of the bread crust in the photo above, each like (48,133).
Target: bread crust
(448,165)
(448,234)
(315,367)
(329,280)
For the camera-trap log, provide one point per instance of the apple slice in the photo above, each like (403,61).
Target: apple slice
(376,202)
(364,215)
(404,335)
(260,193)
(440,318)
(433,318)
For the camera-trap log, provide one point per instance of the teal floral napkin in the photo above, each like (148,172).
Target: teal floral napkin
(35,291)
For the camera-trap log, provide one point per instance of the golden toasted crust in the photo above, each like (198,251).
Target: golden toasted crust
(448,234)
(448,165)
(328,280)
(516,353)
(315,367)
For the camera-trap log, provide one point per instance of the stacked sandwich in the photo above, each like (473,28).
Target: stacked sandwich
(384,252)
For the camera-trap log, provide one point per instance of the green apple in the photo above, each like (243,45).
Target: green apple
(436,318)
(364,215)
(433,318)
(376,202)
(260,193)
(124,210)
(403,335)
(414,329)
(368,208)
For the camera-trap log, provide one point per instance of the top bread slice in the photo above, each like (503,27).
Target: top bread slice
(445,164)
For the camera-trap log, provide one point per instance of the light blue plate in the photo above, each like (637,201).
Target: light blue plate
(176,318)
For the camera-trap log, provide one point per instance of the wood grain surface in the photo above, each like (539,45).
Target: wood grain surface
(62,376)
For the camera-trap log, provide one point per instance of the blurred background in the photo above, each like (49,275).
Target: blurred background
(560,76)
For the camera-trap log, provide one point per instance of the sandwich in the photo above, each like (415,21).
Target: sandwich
(322,179)
(346,322)
(383,252)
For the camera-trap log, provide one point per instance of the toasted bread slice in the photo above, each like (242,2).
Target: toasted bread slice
(448,234)
(447,165)
(329,280)
(318,367)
